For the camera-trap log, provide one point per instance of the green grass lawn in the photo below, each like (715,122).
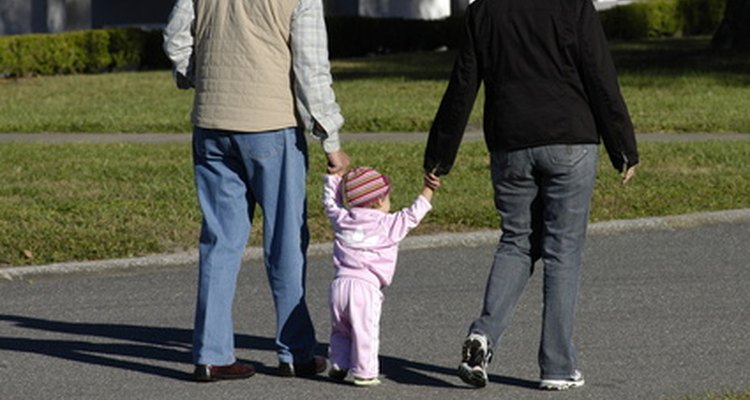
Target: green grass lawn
(66,202)
(678,85)
(93,201)
(669,85)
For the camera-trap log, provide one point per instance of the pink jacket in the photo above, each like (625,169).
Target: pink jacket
(366,242)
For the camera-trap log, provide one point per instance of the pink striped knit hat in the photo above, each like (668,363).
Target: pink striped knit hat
(363,186)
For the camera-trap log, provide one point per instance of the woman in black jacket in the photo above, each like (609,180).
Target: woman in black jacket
(551,95)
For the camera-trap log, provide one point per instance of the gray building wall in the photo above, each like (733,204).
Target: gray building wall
(15,16)
(43,16)
(50,16)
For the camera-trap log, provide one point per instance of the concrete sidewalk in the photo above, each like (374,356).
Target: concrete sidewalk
(476,238)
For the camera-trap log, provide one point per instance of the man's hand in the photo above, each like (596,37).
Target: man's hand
(338,162)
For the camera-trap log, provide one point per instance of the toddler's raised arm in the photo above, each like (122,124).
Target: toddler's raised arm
(331,205)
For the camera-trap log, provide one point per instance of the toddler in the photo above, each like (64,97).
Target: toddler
(364,256)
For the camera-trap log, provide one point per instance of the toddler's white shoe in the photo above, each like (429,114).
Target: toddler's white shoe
(366,381)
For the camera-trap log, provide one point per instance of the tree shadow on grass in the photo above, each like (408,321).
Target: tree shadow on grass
(417,66)
(672,57)
(146,349)
(679,57)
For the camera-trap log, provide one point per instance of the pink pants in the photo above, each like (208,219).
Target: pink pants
(355,326)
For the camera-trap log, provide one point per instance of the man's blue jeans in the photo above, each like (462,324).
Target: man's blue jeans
(234,172)
(543,196)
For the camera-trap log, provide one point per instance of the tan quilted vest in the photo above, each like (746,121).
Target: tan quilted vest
(243,65)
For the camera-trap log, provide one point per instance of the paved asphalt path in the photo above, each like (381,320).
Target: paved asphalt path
(664,313)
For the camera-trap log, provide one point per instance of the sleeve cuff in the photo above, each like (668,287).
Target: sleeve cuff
(331,144)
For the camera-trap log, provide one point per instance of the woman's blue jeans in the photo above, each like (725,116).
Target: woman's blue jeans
(234,172)
(543,196)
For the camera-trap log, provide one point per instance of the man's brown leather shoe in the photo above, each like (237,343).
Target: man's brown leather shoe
(315,366)
(211,373)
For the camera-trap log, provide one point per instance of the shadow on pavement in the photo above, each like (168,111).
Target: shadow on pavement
(152,345)
(414,373)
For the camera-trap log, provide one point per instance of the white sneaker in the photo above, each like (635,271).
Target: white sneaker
(475,356)
(366,381)
(575,381)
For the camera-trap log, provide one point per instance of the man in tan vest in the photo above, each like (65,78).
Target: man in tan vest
(261,75)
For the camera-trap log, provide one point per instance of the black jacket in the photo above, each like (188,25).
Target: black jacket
(548,78)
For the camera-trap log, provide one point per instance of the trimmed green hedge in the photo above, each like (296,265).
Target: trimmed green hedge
(81,51)
(663,18)
(653,18)
(131,49)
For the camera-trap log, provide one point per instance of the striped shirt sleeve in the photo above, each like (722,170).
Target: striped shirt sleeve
(316,101)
